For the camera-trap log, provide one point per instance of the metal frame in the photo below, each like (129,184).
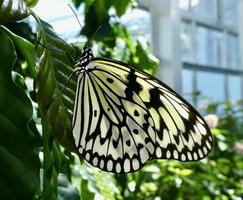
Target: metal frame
(195,21)
(163,11)
(195,68)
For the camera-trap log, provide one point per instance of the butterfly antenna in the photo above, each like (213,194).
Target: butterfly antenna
(50,49)
(99,27)
(75,16)
(57,50)
(88,43)
(65,86)
(60,92)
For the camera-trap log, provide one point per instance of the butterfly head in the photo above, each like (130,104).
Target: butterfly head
(85,57)
(87,52)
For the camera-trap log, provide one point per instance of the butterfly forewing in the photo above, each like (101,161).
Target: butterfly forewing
(123,118)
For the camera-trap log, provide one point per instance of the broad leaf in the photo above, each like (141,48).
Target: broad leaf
(94,181)
(96,15)
(26,49)
(31,3)
(143,59)
(12,10)
(121,6)
(66,190)
(55,68)
(18,146)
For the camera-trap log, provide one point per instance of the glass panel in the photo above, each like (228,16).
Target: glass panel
(209,46)
(211,86)
(68,27)
(184,4)
(233,52)
(61,17)
(234,87)
(187,85)
(229,12)
(53,11)
(205,8)
(186,42)
(138,22)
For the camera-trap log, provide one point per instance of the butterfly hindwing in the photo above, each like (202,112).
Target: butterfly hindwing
(124,117)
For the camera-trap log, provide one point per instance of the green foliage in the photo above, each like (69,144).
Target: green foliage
(220,176)
(36,126)
(54,70)
(19,141)
(26,49)
(12,10)
(97,183)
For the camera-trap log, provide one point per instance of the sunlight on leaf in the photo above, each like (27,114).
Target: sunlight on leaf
(26,49)
(54,69)
(12,10)
(18,143)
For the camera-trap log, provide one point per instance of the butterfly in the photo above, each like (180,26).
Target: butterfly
(123,118)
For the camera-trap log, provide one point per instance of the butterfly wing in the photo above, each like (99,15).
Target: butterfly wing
(124,117)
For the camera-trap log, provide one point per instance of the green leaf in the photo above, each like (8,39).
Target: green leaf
(31,3)
(96,15)
(55,68)
(26,49)
(121,6)
(66,190)
(98,182)
(86,193)
(50,171)
(143,59)
(12,10)
(19,177)
(77,3)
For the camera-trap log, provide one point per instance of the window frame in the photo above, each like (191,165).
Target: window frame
(190,17)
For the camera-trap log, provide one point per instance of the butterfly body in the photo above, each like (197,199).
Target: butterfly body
(124,118)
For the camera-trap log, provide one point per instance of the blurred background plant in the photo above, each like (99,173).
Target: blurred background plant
(33,163)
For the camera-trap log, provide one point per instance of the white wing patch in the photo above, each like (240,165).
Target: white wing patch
(123,118)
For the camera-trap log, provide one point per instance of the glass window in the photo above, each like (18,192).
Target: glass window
(205,8)
(209,46)
(211,86)
(138,22)
(186,42)
(233,51)
(55,10)
(67,27)
(187,85)
(61,17)
(184,4)
(205,45)
(234,87)
(229,12)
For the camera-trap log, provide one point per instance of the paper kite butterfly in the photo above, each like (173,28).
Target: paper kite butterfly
(123,118)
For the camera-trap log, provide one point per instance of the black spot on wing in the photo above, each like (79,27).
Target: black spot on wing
(132,85)
(115,143)
(146,116)
(95,113)
(128,142)
(135,131)
(136,113)
(147,140)
(110,80)
(177,139)
(189,125)
(155,101)
(140,146)
(145,126)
